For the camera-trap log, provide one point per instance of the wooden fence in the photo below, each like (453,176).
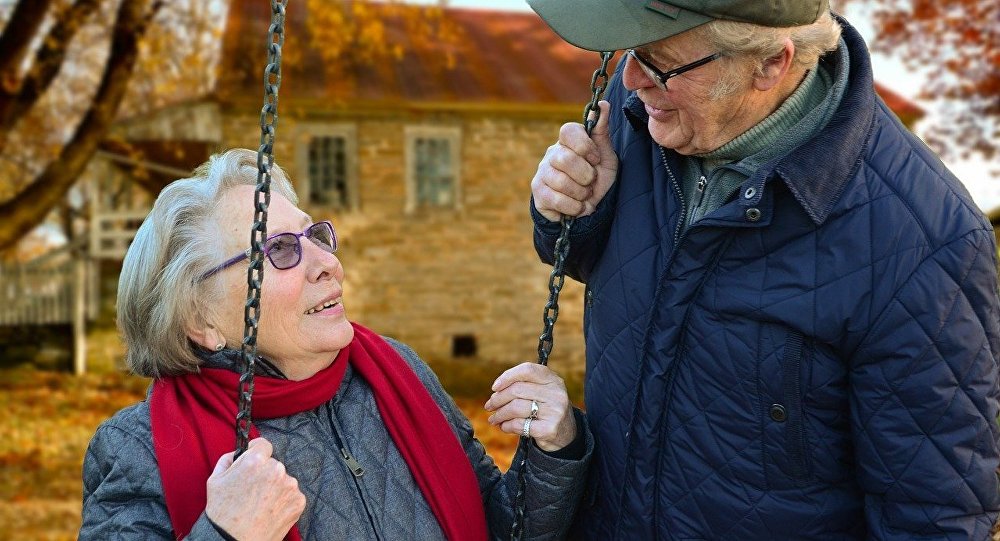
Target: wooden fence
(49,290)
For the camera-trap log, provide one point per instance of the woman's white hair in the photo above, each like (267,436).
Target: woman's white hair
(741,41)
(160,290)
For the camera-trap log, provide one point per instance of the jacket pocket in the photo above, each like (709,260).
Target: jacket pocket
(786,448)
(795,433)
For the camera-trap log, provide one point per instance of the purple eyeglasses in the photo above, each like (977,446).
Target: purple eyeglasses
(285,249)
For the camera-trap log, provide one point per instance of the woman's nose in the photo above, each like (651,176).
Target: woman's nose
(322,264)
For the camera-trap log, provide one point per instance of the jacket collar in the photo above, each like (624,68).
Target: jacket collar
(817,172)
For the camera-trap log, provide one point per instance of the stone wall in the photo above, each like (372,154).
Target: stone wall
(443,278)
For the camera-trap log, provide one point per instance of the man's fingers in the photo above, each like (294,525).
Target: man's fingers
(560,203)
(601,128)
(573,136)
(570,174)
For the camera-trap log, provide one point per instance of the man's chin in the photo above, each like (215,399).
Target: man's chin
(668,137)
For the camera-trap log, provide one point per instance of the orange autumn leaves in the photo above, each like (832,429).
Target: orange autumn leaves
(48,419)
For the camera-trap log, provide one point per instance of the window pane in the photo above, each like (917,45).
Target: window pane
(434,171)
(328,171)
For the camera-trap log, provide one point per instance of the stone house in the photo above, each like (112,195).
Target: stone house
(422,162)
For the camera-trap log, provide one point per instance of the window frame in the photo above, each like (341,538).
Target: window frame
(453,134)
(311,130)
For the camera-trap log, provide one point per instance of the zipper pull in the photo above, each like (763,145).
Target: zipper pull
(702,184)
(353,464)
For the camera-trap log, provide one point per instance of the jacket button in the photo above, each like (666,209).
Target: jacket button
(778,413)
(753,214)
(590,297)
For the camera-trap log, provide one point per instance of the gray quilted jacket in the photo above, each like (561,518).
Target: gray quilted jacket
(123,497)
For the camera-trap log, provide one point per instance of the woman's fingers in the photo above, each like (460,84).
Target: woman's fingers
(549,434)
(515,409)
(253,496)
(553,425)
(526,372)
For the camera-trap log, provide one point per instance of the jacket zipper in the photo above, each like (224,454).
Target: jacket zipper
(678,235)
(700,190)
(680,197)
(353,464)
(356,469)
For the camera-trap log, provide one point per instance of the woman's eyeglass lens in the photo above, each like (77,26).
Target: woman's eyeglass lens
(285,249)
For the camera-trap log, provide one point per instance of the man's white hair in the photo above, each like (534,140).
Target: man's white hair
(740,42)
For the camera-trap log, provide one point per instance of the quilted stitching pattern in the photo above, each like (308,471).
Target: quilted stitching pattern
(889,427)
(123,496)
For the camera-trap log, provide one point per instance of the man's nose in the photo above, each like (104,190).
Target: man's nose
(633,77)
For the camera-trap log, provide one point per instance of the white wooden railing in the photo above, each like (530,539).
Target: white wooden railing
(49,290)
(112,232)
(36,296)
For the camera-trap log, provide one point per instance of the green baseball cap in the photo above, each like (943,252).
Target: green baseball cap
(611,25)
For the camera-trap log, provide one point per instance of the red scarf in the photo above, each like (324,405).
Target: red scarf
(193,419)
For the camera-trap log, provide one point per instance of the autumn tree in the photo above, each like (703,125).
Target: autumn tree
(958,44)
(67,70)
(70,68)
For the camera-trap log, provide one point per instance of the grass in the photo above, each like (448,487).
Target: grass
(49,417)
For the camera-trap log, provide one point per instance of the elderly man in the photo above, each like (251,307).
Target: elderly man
(791,310)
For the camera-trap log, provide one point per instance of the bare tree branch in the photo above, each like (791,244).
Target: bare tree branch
(48,60)
(29,208)
(15,39)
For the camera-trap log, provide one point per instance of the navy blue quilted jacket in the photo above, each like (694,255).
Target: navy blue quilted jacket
(816,359)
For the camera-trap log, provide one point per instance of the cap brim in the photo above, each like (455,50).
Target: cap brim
(612,25)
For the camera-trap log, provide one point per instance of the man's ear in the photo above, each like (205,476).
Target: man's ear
(775,68)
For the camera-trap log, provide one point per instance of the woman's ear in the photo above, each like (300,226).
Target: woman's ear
(206,336)
(774,69)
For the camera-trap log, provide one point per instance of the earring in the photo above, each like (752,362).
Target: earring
(219,346)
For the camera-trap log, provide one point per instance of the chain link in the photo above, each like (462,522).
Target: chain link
(262,198)
(591,113)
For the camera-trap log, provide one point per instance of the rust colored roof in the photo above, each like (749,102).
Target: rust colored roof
(903,107)
(498,57)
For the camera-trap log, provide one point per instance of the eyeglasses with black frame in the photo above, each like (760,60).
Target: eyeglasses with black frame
(660,77)
(284,250)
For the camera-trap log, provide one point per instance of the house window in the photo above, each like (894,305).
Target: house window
(433,165)
(328,171)
(326,165)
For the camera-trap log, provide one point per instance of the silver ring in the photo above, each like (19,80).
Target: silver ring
(526,432)
(534,410)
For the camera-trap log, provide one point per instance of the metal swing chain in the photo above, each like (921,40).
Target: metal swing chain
(262,198)
(598,83)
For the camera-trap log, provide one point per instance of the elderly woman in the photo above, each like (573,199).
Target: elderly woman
(357,438)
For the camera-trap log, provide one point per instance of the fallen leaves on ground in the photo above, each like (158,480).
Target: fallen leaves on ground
(48,419)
